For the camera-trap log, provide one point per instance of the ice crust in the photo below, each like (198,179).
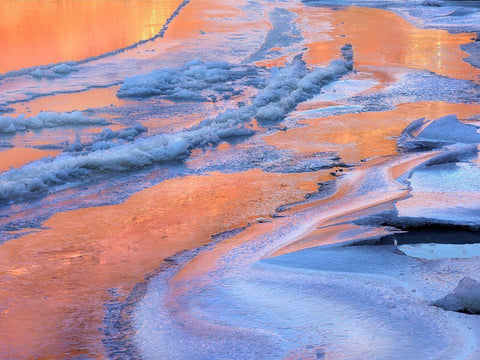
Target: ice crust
(12,125)
(286,88)
(465,297)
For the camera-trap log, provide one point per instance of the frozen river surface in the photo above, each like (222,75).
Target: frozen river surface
(239,180)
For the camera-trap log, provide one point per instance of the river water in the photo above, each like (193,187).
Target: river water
(179,213)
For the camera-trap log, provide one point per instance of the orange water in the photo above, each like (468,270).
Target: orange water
(37,32)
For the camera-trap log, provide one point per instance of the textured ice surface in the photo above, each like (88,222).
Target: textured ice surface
(453,15)
(445,189)
(343,303)
(185,83)
(54,71)
(420,86)
(286,88)
(445,193)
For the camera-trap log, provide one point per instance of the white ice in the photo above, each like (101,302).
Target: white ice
(11,125)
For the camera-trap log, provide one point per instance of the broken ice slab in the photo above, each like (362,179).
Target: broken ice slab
(465,298)
(430,134)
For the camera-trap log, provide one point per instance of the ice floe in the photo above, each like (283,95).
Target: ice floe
(444,188)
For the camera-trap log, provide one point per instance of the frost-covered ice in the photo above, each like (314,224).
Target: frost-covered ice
(12,125)
(444,14)
(341,303)
(445,193)
(185,83)
(232,298)
(452,15)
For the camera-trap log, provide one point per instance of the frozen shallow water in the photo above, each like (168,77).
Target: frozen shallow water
(441,251)
(193,195)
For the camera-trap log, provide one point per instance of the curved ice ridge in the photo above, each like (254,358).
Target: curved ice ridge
(58,69)
(12,125)
(286,88)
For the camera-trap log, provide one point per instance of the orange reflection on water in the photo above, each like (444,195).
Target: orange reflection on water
(93,98)
(364,135)
(53,284)
(36,32)
(383,38)
(208,16)
(16,157)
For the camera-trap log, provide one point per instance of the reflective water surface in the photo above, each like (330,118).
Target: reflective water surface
(56,282)
(39,32)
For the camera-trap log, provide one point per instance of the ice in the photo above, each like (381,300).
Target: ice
(445,188)
(128,133)
(344,89)
(444,193)
(417,86)
(345,303)
(428,134)
(11,125)
(184,83)
(55,71)
(440,251)
(444,15)
(465,297)
(456,16)
(286,88)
